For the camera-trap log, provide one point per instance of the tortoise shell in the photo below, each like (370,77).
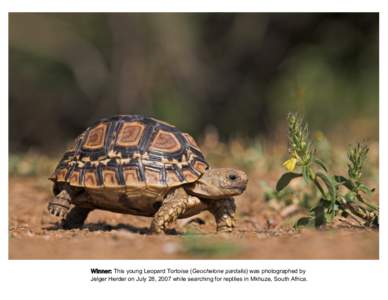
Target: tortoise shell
(131,152)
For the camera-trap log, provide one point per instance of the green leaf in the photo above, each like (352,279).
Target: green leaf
(370,205)
(339,178)
(320,163)
(285,180)
(329,184)
(345,181)
(350,197)
(364,188)
(306,173)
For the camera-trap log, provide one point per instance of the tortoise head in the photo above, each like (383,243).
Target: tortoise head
(219,183)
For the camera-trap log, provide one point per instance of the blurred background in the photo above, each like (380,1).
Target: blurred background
(227,75)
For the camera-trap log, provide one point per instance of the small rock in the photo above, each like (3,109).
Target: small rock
(170,248)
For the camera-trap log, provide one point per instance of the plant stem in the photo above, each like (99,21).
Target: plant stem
(319,187)
(359,198)
(357,213)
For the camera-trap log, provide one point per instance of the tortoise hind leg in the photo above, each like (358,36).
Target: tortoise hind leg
(173,206)
(76,217)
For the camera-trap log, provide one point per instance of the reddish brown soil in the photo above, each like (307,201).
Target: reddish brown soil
(260,234)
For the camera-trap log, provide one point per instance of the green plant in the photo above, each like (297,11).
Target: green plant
(283,196)
(339,195)
(303,196)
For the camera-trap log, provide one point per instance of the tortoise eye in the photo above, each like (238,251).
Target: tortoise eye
(232,177)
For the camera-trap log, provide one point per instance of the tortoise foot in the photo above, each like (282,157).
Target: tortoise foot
(156,229)
(224,229)
(60,205)
(224,213)
(57,210)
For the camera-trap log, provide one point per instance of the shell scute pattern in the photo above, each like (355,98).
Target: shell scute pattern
(131,151)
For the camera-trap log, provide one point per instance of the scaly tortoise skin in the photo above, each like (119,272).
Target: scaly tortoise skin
(141,166)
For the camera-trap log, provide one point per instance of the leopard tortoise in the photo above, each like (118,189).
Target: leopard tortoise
(138,165)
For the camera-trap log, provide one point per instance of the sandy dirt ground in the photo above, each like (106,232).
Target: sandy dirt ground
(260,234)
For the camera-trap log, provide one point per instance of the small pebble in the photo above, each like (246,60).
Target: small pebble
(170,248)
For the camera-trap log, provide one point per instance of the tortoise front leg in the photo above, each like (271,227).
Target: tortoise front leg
(79,212)
(72,217)
(76,217)
(172,207)
(60,205)
(224,212)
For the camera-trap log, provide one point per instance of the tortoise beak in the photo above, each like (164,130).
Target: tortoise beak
(242,189)
(243,180)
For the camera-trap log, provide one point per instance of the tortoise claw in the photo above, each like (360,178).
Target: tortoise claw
(224,229)
(156,228)
(51,211)
(57,211)
(60,205)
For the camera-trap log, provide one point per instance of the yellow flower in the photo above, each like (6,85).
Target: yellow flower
(290,164)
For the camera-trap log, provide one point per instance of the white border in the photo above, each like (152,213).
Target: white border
(64,279)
